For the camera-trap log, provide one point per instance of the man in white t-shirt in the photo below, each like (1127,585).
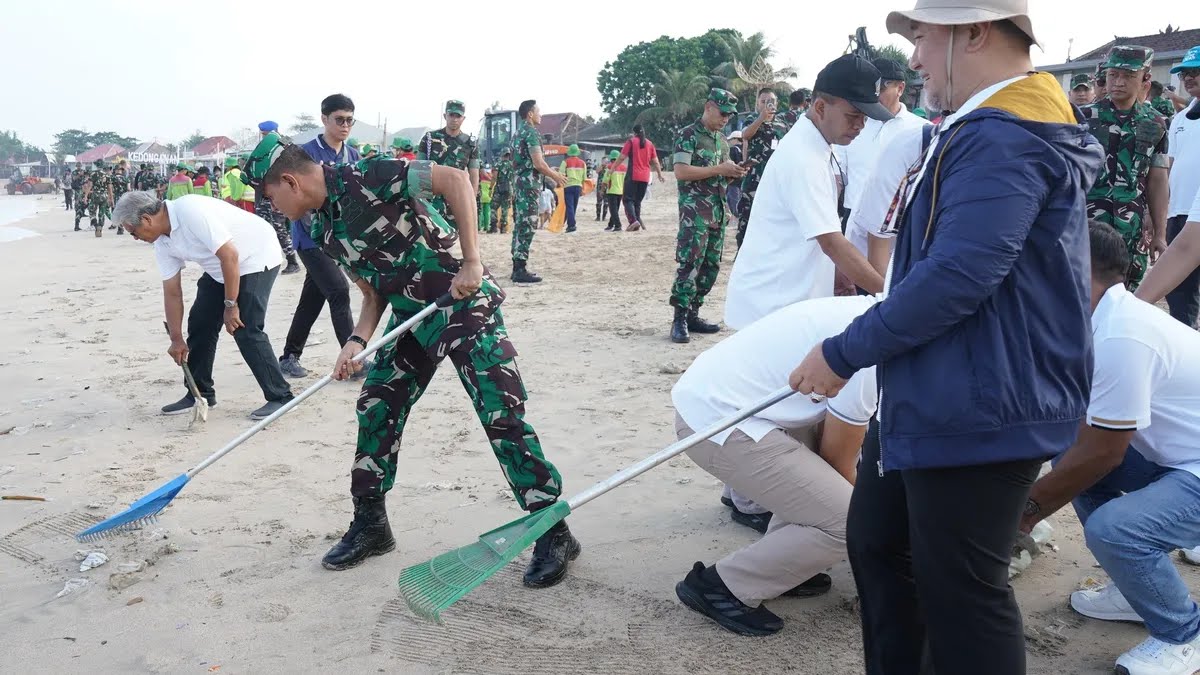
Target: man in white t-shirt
(797,458)
(240,256)
(1183,143)
(794,238)
(857,159)
(1134,471)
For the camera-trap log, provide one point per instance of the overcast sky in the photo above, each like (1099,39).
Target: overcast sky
(220,65)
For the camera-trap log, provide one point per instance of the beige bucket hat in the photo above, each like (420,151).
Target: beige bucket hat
(961,12)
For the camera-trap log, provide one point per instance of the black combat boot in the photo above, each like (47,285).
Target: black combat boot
(292,265)
(522,275)
(679,327)
(551,553)
(697,325)
(369,535)
(77,227)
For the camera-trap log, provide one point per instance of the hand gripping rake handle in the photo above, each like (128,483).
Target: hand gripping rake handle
(635,470)
(442,302)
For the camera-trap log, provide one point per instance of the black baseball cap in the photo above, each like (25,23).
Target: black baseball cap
(853,78)
(890,70)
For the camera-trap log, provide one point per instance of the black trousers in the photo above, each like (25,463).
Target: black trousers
(206,320)
(614,210)
(635,192)
(67,195)
(1184,300)
(930,550)
(323,282)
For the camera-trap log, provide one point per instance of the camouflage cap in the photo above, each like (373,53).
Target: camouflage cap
(726,101)
(1081,80)
(1129,57)
(261,159)
(455,107)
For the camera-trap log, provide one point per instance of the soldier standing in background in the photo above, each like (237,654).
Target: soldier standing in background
(402,148)
(80,183)
(1161,104)
(760,139)
(68,189)
(798,102)
(101,202)
(1101,82)
(120,185)
(1081,90)
(702,170)
(502,193)
(265,210)
(601,189)
(449,146)
(528,163)
(1131,191)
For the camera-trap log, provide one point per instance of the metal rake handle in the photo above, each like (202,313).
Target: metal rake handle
(442,302)
(635,470)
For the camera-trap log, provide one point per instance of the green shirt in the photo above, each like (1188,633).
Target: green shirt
(697,146)
(458,151)
(524,145)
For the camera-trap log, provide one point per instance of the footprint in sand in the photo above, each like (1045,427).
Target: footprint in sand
(271,613)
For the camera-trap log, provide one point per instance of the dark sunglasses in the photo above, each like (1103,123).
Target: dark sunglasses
(343,121)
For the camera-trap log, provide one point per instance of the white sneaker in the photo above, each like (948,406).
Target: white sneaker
(1190,556)
(1106,604)
(1155,657)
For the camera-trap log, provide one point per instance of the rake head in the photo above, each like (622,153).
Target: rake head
(139,514)
(433,586)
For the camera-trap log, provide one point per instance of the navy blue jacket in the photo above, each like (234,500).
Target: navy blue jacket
(325,156)
(983,343)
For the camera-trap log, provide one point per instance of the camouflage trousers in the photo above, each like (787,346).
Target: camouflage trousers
(745,202)
(283,229)
(1137,240)
(98,210)
(601,202)
(501,209)
(698,251)
(487,367)
(81,207)
(525,219)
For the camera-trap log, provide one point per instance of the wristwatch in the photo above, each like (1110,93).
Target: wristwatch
(230,304)
(1032,508)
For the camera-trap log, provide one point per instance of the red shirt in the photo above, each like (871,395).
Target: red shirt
(639,157)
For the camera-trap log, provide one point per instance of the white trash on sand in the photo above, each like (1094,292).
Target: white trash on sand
(72,586)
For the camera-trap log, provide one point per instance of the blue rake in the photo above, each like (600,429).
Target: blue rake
(145,510)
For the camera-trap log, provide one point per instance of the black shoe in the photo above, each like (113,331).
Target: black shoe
(185,404)
(679,327)
(522,275)
(727,501)
(291,268)
(697,325)
(289,365)
(616,228)
(754,521)
(268,409)
(818,585)
(78,228)
(609,228)
(551,554)
(369,535)
(570,229)
(712,598)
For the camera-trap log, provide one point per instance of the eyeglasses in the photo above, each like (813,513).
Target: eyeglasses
(1190,72)
(343,121)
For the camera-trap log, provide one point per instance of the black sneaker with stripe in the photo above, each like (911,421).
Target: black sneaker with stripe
(703,591)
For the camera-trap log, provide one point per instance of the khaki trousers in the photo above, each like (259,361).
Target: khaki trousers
(809,499)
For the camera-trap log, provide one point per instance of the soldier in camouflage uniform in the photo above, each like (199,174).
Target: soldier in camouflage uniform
(761,137)
(120,185)
(1161,104)
(449,146)
(1131,191)
(80,183)
(528,167)
(703,170)
(798,102)
(376,219)
(1081,90)
(502,192)
(263,209)
(101,202)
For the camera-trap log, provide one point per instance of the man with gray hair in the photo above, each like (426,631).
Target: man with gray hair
(240,256)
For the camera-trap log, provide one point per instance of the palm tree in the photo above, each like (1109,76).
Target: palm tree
(749,67)
(893,53)
(678,95)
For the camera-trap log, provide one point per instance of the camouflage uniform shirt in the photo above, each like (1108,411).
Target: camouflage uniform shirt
(120,185)
(439,147)
(378,223)
(758,150)
(701,202)
(789,118)
(101,181)
(1134,142)
(504,176)
(526,141)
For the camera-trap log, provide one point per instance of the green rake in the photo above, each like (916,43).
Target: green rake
(146,510)
(434,585)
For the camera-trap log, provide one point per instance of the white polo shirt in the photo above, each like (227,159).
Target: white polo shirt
(1183,144)
(200,225)
(858,159)
(780,261)
(902,153)
(1147,377)
(757,360)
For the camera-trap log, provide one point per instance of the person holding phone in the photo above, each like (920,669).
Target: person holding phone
(759,141)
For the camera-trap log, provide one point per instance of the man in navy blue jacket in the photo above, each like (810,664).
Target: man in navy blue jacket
(982,345)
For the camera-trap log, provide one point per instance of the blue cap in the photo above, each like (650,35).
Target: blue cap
(1190,60)
(267,127)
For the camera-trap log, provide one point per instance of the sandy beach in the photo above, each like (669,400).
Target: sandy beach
(229,579)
